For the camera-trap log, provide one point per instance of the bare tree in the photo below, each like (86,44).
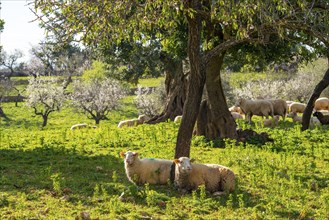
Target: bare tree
(44,96)
(97,97)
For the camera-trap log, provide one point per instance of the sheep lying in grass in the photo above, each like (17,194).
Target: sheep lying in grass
(297,107)
(79,126)
(141,171)
(216,178)
(321,104)
(280,107)
(178,119)
(133,122)
(324,119)
(271,122)
(295,118)
(255,107)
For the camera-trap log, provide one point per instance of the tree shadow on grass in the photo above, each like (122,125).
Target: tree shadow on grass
(59,171)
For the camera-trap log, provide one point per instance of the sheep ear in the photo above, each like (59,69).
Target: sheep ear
(176,161)
(192,160)
(135,154)
(122,154)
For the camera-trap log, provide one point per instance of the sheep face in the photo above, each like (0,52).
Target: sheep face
(317,114)
(129,157)
(184,165)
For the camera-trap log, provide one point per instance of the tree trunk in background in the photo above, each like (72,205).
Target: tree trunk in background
(315,95)
(197,80)
(45,120)
(215,120)
(176,85)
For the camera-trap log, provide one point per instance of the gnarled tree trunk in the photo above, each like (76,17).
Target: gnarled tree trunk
(176,84)
(215,120)
(324,83)
(2,114)
(197,80)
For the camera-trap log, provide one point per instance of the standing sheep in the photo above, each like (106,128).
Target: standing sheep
(147,170)
(297,107)
(321,104)
(216,178)
(255,107)
(280,107)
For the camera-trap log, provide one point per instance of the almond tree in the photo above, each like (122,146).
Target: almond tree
(96,97)
(45,97)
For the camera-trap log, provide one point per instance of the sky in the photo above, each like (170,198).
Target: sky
(19,32)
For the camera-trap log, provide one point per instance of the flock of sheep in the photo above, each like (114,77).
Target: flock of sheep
(187,176)
(278,107)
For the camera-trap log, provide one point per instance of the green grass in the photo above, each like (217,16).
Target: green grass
(56,173)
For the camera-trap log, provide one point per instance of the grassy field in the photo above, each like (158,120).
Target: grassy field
(57,173)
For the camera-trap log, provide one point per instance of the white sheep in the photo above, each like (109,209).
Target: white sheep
(236,115)
(217,179)
(280,107)
(295,118)
(79,126)
(297,107)
(133,122)
(271,122)
(146,170)
(143,118)
(178,119)
(321,104)
(255,107)
(235,109)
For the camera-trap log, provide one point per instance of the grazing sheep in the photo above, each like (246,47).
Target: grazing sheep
(236,115)
(297,107)
(141,171)
(280,107)
(178,119)
(255,107)
(235,109)
(216,178)
(271,122)
(79,126)
(321,104)
(324,119)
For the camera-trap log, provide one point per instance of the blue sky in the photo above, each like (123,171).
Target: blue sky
(19,32)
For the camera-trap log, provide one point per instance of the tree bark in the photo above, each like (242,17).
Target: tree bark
(2,114)
(215,120)
(176,86)
(197,80)
(315,95)
(45,120)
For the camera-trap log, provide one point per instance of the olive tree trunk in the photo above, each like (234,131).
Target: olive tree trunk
(315,95)
(215,120)
(197,80)
(176,85)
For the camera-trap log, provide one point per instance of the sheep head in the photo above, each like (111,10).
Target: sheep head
(184,165)
(317,114)
(129,157)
